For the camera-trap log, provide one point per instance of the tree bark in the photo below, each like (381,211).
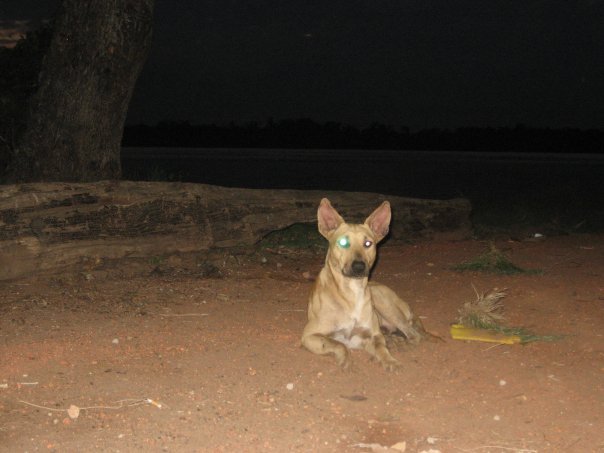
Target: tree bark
(76,117)
(50,226)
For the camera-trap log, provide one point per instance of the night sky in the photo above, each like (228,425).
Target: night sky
(415,63)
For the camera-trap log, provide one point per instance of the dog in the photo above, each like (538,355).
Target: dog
(345,310)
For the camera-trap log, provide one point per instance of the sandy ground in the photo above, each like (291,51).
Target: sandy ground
(200,353)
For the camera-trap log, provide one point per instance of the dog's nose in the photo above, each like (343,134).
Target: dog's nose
(358,267)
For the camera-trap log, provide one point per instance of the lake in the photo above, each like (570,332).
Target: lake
(509,186)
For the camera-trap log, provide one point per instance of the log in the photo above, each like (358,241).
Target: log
(48,226)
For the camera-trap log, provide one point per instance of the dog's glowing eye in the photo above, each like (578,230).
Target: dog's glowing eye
(368,244)
(344,242)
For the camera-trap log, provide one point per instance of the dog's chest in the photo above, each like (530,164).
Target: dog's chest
(355,328)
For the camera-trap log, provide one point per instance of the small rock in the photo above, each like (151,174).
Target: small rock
(399,446)
(289,386)
(115,341)
(73,411)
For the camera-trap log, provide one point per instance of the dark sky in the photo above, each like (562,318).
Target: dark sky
(418,63)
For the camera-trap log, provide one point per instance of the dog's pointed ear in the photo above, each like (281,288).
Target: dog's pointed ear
(379,221)
(328,218)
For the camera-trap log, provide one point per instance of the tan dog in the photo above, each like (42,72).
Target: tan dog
(345,310)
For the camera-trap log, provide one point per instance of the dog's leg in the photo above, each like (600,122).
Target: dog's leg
(376,346)
(322,344)
(394,313)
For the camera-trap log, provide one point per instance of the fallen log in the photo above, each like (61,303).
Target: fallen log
(48,226)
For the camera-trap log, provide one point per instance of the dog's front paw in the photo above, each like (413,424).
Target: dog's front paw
(343,358)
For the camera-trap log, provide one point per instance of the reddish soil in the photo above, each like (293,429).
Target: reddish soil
(215,341)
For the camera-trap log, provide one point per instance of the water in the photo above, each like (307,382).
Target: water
(566,187)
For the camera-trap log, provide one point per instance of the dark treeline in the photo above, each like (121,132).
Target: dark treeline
(18,80)
(308,134)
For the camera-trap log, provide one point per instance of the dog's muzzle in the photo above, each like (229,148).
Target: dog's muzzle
(358,269)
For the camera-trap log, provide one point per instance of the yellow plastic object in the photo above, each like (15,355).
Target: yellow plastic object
(459,332)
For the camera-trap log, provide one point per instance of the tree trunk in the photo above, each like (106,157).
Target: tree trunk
(50,226)
(76,117)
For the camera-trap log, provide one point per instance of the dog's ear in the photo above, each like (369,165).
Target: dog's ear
(379,221)
(328,217)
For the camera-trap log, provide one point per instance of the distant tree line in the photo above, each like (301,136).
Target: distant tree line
(308,134)
(19,80)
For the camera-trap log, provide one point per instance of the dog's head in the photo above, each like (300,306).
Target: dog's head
(352,247)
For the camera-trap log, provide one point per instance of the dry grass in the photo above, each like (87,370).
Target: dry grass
(486,312)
